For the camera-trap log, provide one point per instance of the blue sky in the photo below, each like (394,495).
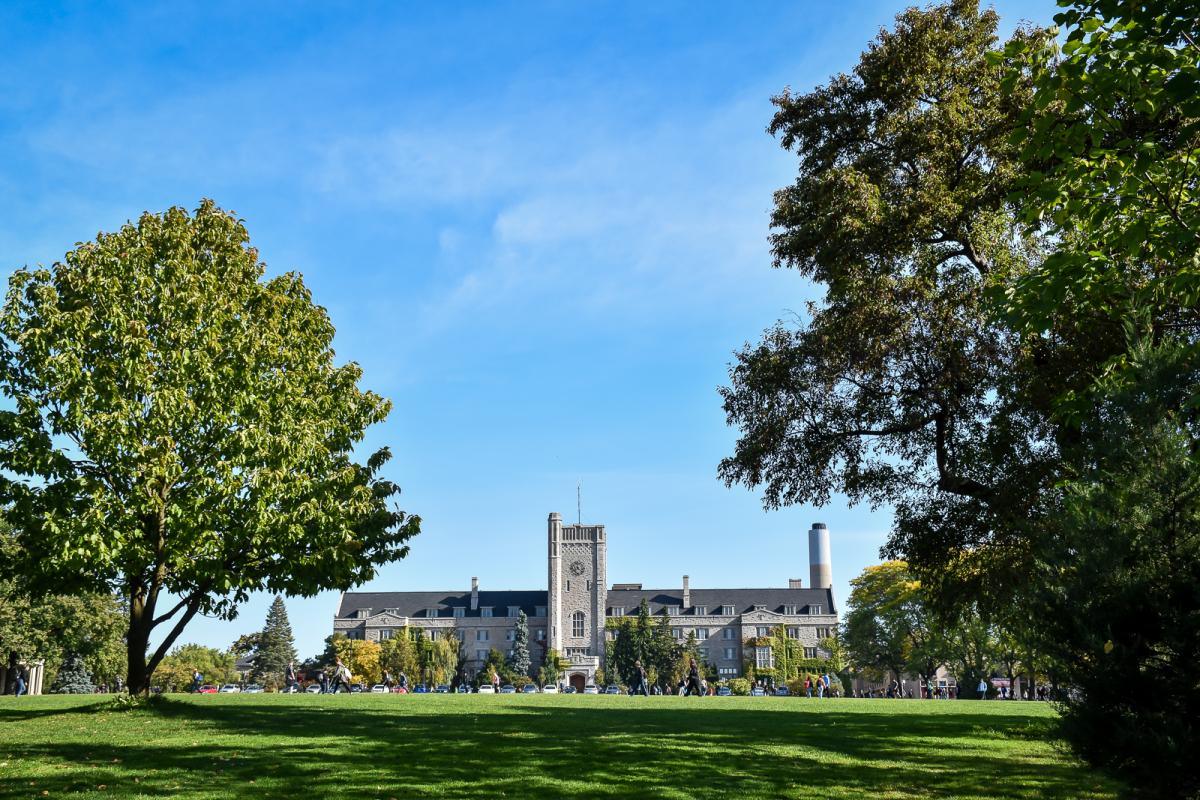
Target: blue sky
(540,228)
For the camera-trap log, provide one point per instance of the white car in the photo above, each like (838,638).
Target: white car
(487,688)
(314,689)
(230,688)
(379,688)
(591,689)
(549,688)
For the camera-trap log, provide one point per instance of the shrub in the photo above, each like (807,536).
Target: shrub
(739,686)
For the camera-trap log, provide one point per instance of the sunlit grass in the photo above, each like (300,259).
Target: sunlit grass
(260,746)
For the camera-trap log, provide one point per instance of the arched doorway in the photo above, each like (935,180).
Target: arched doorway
(578,680)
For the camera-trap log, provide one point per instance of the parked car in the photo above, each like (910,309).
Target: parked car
(463,689)
(253,688)
(529,688)
(357,688)
(441,688)
(591,689)
(486,688)
(724,691)
(612,688)
(568,690)
(379,688)
(508,688)
(314,688)
(230,688)
(549,688)
(399,690)
(757,691)
(420,688)
(207,688)
(781,691)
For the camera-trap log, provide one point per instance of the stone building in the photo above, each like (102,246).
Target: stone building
(570,614)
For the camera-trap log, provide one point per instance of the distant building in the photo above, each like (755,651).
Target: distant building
(570,614)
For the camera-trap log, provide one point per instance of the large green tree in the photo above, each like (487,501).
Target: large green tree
(897,388)
(889,626)
(179,431)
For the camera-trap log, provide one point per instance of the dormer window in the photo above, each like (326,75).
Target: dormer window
(460,611)
(539,611)
(814,609)
(727,611)
(700,611)
(363,613)
(485,611)
(514,611)
(790,610)
(618,611)
(431,612)
(672,611)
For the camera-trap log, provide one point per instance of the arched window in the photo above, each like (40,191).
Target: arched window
(577,624)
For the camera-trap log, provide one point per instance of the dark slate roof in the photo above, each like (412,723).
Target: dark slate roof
(742,600)
(413,604)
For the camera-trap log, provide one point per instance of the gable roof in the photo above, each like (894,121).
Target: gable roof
(414,604)
(742,600)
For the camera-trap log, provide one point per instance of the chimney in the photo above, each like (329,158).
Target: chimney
(474,594)
(820,564)
(687,593)
(795,583)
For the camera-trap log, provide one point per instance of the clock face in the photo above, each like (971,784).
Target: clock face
(577,568)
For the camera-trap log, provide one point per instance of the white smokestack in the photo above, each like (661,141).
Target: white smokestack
(820,563)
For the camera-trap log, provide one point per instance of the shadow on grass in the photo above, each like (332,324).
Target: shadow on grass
(560,750)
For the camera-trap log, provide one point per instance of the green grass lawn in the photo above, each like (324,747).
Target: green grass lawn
(314,746)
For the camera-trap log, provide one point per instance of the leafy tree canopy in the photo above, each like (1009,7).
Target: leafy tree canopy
(179,426)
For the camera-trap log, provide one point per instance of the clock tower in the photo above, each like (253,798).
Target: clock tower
(577,592)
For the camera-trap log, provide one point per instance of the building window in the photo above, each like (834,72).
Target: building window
(677,633)
(481,655)
(701,611)
(577,624)
(763,631)
(672,611)
(789,610)
(539,611)
(486,611)
(514,611)
(385,634)
(728,672)
(730,653)
(810,652)
(793,633)
(575,652)
(760,608)
(354,634)
(509,635)
(618,611)
(481,636)
(728,633)
(701,633)
(433,636)
(762,658)
(727,611)
(459,611)
(814,609)
(540,634)
(431,612)
(824,633)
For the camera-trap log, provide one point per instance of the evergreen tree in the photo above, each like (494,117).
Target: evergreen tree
(519,660)
(663,652)
(73,677)
(276,646)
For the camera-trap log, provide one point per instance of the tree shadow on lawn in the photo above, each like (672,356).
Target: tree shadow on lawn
(560,751)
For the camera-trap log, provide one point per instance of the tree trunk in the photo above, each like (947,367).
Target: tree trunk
(138,641)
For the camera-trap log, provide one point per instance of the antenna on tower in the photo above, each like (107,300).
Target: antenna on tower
(579,502)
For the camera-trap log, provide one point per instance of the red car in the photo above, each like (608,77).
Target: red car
(207,688)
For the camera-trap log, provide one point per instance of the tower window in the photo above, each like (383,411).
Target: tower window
(577,624)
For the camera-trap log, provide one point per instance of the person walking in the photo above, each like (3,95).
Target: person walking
(693,680)
(341,677)
(323,681)
(289,677)
(983,687)
(639,680)
(197,680)
(404,682)
(495,681)
(20,689)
